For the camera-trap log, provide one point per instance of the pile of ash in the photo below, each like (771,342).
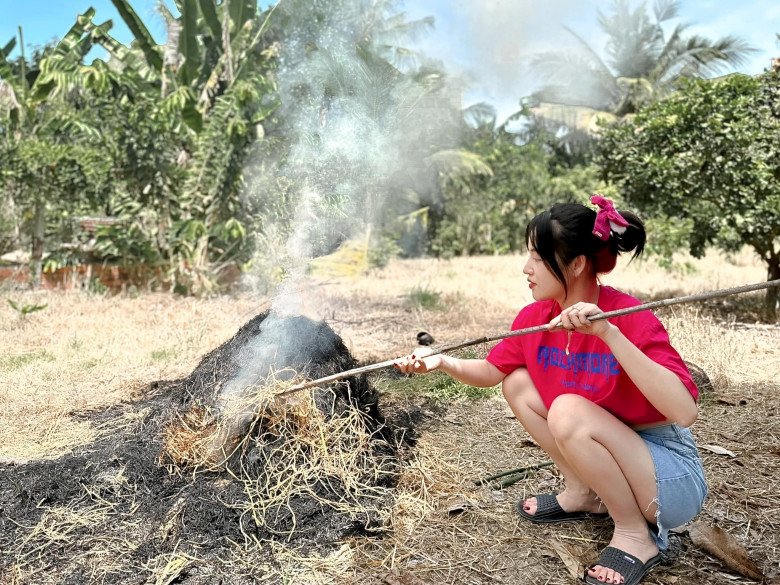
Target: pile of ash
(201,467)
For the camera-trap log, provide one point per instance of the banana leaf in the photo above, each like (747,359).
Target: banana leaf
(189,46)
(5,68)
(209,10)
(141,33)
(129,59)
(240,11)
(5,51)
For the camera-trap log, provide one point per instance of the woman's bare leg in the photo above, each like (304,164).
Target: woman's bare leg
(613,460)
(528,408)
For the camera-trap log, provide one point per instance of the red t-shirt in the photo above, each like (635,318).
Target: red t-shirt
(590,369)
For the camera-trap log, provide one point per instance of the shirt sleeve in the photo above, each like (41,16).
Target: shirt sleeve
(655,344)
(508,355)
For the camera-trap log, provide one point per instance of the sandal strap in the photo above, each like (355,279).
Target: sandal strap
(621,562)
(547,504)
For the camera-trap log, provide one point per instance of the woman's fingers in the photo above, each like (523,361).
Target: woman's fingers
(413,363)
(574,317)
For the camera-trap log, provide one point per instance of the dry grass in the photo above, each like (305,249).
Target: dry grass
(85,351)
(88,352)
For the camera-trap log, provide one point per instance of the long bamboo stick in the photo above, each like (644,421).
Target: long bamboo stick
(538,328)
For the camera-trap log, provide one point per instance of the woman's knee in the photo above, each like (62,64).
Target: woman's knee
(518,387)
(568,416)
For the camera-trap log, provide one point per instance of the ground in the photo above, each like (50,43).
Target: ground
(66,368)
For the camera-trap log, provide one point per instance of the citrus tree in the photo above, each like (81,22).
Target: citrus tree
(707,161)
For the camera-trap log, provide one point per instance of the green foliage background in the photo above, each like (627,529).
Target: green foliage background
(195,152)
(705,162)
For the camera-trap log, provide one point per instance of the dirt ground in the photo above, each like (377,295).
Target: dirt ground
(98,355)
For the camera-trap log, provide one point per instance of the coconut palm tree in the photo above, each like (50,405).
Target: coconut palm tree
(640,62)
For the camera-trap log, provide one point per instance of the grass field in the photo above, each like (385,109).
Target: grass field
(86,352)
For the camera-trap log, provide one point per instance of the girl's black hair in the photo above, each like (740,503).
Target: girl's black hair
(565,231)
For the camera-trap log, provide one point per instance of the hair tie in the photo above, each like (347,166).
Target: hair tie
(608,220)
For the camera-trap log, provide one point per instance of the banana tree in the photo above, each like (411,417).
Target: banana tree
(211,77)
(210,46)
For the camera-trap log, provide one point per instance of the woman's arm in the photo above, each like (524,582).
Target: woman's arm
(662,388)
(473,372)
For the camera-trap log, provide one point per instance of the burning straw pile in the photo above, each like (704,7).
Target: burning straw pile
(207,465)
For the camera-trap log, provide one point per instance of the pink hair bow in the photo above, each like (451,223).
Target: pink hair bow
(607,218)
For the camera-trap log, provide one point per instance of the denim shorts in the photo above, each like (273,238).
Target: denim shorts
(679,476)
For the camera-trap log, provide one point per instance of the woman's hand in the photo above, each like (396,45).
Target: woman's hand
(417,363)
(576,318)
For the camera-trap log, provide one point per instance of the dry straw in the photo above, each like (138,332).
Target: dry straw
(282,448)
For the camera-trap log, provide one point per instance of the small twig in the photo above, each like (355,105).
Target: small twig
(508,481)
(539,328)
(516,471)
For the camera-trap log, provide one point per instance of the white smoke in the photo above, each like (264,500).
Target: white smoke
(491,43)
(360,133)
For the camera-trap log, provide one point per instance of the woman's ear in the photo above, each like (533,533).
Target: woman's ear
(578,265)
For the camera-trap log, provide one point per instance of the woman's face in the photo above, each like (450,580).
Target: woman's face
(541,280)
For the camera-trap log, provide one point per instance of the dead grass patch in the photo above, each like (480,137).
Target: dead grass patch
(86,352)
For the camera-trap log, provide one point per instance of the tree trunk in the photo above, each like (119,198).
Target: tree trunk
(13,215)
(773,292)
(39,226)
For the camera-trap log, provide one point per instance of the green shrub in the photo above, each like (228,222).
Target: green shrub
(422,297)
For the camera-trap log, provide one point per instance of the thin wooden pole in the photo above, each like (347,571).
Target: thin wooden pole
(539,328)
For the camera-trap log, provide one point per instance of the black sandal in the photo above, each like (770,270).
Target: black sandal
(548,510)
(630,567)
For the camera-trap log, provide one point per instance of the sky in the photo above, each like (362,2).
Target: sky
(487,43)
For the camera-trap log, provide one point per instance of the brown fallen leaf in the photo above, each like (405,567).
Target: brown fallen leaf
(570,562)
(724,547)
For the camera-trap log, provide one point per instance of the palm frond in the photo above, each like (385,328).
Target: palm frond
(698,57)
(575,80)
(633,39)
(734,51)
(666,9)
(668,55)
(480,115)
(454,164)
(595,58)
